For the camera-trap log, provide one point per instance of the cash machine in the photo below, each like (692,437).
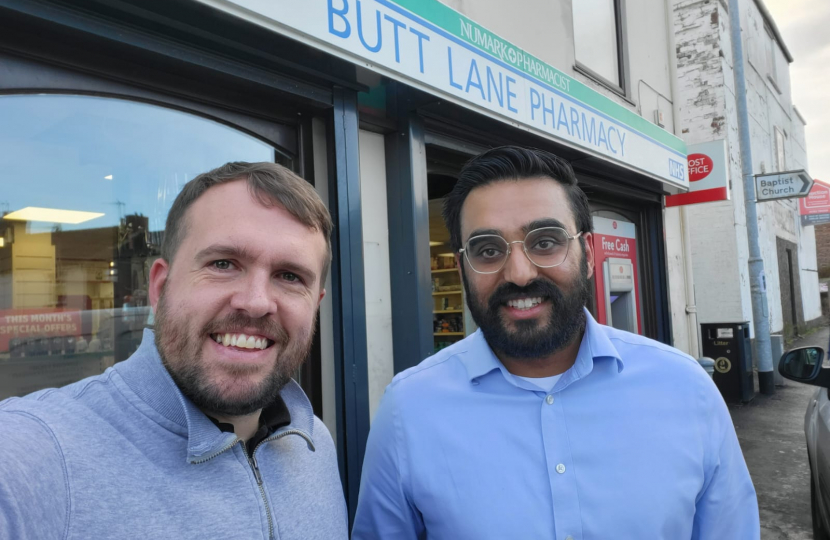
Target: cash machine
(615,262)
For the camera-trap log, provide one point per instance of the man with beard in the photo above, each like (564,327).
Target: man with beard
(543,423)
(201,433)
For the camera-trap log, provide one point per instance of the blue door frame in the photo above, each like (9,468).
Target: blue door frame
(348,297)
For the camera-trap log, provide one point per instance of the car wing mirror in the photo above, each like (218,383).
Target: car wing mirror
(804,365)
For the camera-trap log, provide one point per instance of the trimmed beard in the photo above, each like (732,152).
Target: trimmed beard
(533,338)
(179,346)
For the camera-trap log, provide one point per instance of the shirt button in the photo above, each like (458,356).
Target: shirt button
(560,469)
(549,399)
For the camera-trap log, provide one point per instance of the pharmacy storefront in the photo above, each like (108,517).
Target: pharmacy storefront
(109,109)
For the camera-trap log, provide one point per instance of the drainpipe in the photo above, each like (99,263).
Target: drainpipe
(757,278)
(686,240)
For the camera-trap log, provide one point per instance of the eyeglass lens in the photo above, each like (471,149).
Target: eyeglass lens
(544,247)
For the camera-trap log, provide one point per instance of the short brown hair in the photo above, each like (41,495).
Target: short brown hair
(270,184)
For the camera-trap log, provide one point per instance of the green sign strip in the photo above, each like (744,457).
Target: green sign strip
(479,37)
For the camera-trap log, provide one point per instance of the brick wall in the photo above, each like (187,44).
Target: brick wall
(823,249)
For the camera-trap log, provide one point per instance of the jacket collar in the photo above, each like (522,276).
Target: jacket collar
(147,377)
(480,360)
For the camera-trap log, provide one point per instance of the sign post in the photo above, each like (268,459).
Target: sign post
(785,185)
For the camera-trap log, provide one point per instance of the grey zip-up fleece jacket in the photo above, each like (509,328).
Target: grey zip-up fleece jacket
(125,455)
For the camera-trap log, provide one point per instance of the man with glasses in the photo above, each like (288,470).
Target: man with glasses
(544,423)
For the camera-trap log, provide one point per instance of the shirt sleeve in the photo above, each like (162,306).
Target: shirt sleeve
(34,495)
(384,510)
(727,506)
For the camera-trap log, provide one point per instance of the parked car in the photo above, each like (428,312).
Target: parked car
(805,365)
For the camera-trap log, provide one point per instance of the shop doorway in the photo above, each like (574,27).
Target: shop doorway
(451,320)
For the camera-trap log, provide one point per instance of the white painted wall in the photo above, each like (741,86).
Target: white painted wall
(376,266)
(677,276)
(706,100)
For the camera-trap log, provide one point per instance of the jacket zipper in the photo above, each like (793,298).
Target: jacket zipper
(258,476)
(255,467)
(252,462)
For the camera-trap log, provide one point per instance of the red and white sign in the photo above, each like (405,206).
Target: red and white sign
(615,239)
(37,322)
(815,207)
(708,175)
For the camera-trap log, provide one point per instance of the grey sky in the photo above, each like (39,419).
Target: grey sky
(805,26)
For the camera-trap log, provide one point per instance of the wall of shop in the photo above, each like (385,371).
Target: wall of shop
(708,112)
(376,265)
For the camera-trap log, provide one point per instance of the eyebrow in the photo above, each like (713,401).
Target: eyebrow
(224,251)
(532,226)
(542,223)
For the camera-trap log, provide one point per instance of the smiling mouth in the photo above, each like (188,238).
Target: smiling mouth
(242,341)
(523,304)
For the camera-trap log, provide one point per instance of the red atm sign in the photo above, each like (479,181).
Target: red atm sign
(708,175)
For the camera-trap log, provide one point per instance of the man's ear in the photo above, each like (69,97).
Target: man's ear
(158,277)
(589,252)
(320,298)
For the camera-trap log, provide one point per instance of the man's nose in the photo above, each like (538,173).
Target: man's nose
(255,295)
(518,269)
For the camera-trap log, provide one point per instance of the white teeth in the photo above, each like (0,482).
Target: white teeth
(242,341)
(524,303)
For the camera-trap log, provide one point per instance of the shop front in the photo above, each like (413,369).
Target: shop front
(108,109)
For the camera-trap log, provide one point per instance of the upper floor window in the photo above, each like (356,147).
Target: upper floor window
(780,156)
(598,40)
(771,60)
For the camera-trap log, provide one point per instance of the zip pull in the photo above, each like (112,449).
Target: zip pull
(255,468)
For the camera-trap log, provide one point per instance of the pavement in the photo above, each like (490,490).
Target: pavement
(771,432)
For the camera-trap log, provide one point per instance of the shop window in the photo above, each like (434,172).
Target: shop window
(87,185)
(598,41)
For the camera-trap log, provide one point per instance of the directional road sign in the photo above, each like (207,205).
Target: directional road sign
(785,185)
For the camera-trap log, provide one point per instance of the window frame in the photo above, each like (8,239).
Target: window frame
(780,139)
(771,59)
(623,88)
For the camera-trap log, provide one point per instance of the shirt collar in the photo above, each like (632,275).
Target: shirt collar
(271,417)
(147,377)
(480,360)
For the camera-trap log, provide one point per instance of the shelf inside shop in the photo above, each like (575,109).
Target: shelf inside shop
(444,293)
(439,334)
(443,270)
(449,311)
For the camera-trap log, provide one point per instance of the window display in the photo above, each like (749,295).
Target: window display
(87,184)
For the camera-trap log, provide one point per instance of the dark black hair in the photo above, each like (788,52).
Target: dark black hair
(513,163)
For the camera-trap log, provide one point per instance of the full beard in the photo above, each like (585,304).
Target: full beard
(180,348)
(532,338)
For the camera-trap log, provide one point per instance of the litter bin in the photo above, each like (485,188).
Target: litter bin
(728,344)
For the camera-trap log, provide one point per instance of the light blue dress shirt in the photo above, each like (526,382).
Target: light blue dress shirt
(633,442)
